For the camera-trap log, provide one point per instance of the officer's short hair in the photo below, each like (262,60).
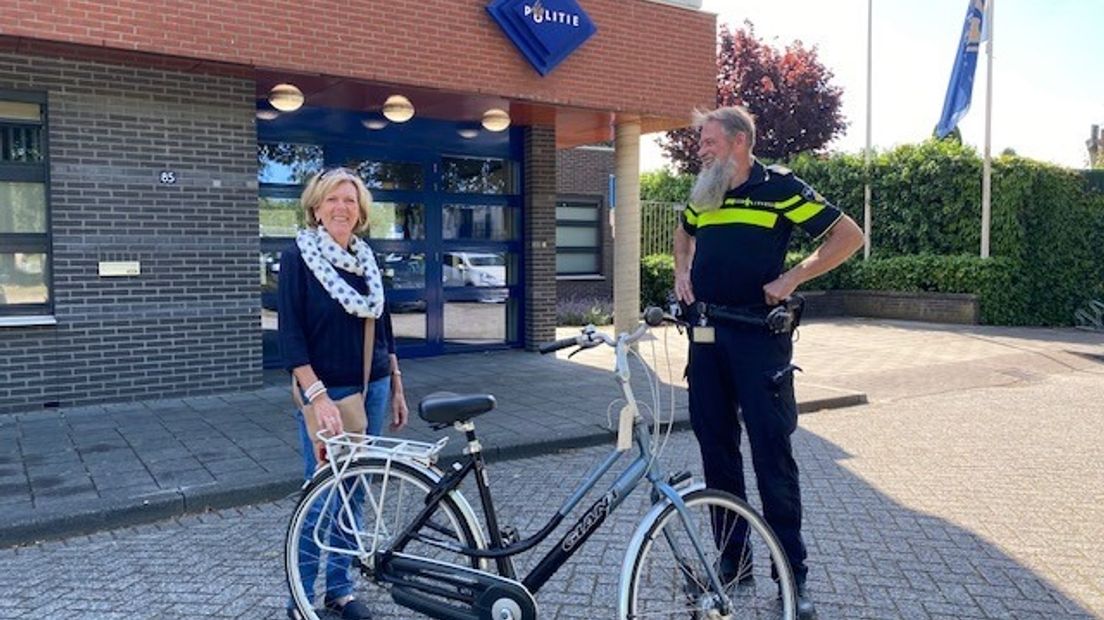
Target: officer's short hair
(733,119)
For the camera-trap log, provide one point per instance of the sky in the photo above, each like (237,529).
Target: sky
(1048,69)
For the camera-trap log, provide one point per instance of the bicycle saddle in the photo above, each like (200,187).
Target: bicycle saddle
(449,407)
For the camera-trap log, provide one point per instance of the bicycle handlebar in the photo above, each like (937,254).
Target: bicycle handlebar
(591,337)
(563,343)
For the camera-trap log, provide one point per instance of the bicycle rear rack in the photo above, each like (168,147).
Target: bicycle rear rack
(342,452)
(352,446)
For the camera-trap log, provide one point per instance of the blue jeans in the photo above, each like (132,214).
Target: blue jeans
(338,581)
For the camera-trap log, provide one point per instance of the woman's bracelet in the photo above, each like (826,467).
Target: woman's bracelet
(314,390)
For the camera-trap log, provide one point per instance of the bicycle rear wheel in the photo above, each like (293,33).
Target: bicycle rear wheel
(669,579)
(322,558)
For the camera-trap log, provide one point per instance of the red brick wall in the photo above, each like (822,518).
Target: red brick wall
(645,58)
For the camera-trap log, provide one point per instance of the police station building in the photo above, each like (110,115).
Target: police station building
(152,155)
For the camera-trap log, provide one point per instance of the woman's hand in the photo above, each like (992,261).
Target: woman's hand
(329,418)
(399,411)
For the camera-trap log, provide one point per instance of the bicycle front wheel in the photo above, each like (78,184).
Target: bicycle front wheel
(339,524)
(669,578)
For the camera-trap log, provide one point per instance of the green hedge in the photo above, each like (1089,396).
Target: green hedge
(657,277)
(992,280)
(1046,227)
(926,199)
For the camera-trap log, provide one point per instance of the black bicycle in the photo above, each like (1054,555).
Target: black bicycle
(382,508)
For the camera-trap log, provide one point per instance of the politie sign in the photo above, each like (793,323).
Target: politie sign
(545,31)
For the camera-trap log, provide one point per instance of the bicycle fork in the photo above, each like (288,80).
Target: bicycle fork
(665,490)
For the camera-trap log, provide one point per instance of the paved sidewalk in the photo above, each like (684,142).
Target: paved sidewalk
(78,470)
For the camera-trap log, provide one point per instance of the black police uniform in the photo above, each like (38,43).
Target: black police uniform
(740,247)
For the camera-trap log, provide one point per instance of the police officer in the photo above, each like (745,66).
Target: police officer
(729,253)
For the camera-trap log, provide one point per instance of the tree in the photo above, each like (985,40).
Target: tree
(662,186)
(788,91)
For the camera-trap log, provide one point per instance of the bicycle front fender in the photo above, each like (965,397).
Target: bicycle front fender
(637,540)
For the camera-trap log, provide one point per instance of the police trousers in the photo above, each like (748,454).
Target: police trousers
(747,373)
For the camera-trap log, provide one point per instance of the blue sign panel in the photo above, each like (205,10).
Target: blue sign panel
(545,31)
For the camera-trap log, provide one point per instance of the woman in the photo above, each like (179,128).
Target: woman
(330,288)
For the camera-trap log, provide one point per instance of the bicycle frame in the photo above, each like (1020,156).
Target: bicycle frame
(643,466)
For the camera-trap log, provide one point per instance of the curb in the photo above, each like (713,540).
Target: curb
(82,519)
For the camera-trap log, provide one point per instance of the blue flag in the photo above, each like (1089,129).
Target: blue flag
(962,75)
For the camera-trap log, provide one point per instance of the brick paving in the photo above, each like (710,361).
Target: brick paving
(934,485)
(977,504)
(81,469)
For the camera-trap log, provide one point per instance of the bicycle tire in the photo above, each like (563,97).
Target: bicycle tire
(461,523)
(752,591)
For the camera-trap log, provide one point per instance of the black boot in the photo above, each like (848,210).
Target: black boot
(805,608)
(731,570)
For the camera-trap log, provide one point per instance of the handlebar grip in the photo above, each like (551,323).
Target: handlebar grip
(563,343)
(653,316)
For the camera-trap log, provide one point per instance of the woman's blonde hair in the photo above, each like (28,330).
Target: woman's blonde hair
(327,181)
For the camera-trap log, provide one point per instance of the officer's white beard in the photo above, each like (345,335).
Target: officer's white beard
(710,186)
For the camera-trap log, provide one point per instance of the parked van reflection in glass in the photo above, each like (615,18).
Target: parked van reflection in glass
(474,269)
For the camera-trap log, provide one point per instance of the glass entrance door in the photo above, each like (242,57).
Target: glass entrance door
(479,251)
(446,227)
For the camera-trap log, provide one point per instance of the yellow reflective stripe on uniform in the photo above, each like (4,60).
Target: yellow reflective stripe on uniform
(789,203)
(690,217)
(737,216)
(804,212)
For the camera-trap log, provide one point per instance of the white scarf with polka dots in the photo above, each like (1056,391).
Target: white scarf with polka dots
(321,254)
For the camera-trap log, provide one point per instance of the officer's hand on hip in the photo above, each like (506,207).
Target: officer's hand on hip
(683,288)
(776,291)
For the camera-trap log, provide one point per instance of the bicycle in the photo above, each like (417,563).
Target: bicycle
(697,552)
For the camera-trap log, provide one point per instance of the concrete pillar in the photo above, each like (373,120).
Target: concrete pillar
(540,236)
(626,226)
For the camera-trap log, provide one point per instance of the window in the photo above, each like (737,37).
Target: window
(578,237)
(282,163)
(389,175)
(25,280)
(469,175)
(479,222)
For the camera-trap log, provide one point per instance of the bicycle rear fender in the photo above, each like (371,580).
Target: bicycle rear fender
(637,540)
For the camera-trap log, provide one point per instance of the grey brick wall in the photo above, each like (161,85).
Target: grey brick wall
(189,324)
(585,172)
(540,235)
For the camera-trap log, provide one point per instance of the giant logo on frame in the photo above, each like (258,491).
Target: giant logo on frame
(546,32)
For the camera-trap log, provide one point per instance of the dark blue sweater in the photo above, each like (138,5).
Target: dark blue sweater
(316,330)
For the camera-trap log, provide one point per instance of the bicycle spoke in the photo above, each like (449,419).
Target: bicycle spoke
(671,579)
(323,545)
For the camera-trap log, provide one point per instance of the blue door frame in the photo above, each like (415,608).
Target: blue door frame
(344,138)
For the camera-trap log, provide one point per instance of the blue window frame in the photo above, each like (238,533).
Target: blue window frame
(446,224)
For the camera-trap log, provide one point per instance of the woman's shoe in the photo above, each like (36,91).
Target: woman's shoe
(350,610)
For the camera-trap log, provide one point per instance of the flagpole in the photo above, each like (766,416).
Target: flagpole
(987,166)
(866,158)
